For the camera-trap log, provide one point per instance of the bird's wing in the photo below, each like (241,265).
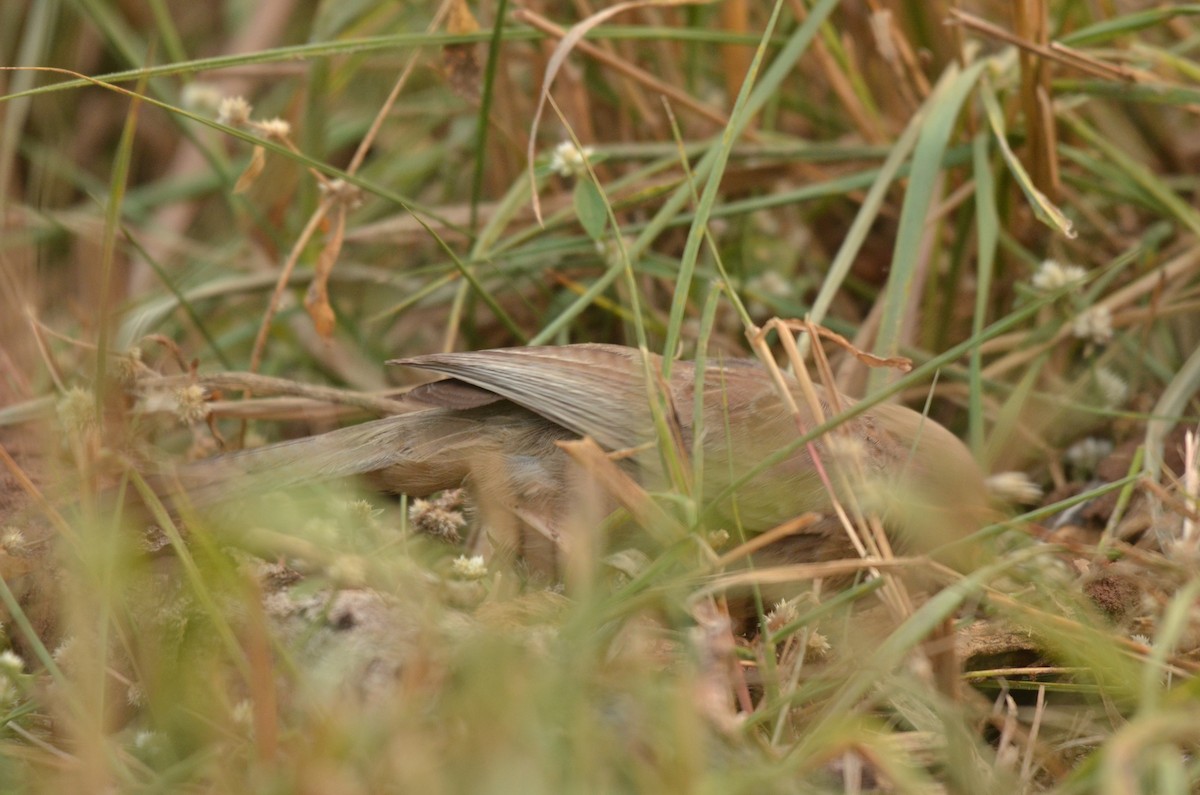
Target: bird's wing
(450,393)
(590,389)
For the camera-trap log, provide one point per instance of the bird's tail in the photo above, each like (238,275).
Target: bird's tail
(399,443)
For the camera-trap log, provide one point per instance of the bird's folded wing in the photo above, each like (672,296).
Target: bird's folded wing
(590,389)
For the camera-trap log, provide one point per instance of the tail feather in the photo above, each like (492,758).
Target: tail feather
(360,449)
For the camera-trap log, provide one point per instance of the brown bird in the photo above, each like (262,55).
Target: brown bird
(495,422)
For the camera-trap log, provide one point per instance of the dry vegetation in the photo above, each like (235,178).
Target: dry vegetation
(1004,193)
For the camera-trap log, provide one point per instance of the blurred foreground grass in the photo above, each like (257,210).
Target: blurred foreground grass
(1007,195)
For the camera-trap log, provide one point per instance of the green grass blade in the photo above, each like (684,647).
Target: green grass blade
(943,106)
(987,225)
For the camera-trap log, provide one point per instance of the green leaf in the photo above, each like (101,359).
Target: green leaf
(589,206)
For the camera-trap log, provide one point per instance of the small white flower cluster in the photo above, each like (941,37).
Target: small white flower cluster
(11,663)
(818,647)
(13,540)
(1053,275)
(1015,487)
(570,160)
(128,366)
(11,668)
(1094,324)
(135,695)
(782,614)
(362,511)
(343,193)
(190,405)
(77,411)
(243,713)
(235,112)
(469,568)
(1114,388)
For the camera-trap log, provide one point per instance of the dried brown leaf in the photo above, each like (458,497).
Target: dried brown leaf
(316,300)
(258,160)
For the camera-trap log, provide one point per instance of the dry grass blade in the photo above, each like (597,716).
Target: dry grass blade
(1191,490)
(1055,51)
(807,572)
(763,540)
(641,76)
(253,383)
(625,490)
(865,532)
(1032,25)
(285,275)
(901,363)
(571,39)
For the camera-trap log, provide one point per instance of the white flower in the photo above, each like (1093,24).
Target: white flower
(128,366)
(1095,325)
(343,192)
(818,646)
(77,411)
(1052,275)
(234,111)
(782,614)
(1014,487)
(11,663)
(276,128)
(189,404)
(362,510)
(1113,386)
(12,539)
(569,160)
(243,712)
(472,568)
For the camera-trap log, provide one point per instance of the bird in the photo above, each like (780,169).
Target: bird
(496,422)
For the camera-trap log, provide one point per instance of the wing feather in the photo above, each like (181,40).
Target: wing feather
(591,389)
